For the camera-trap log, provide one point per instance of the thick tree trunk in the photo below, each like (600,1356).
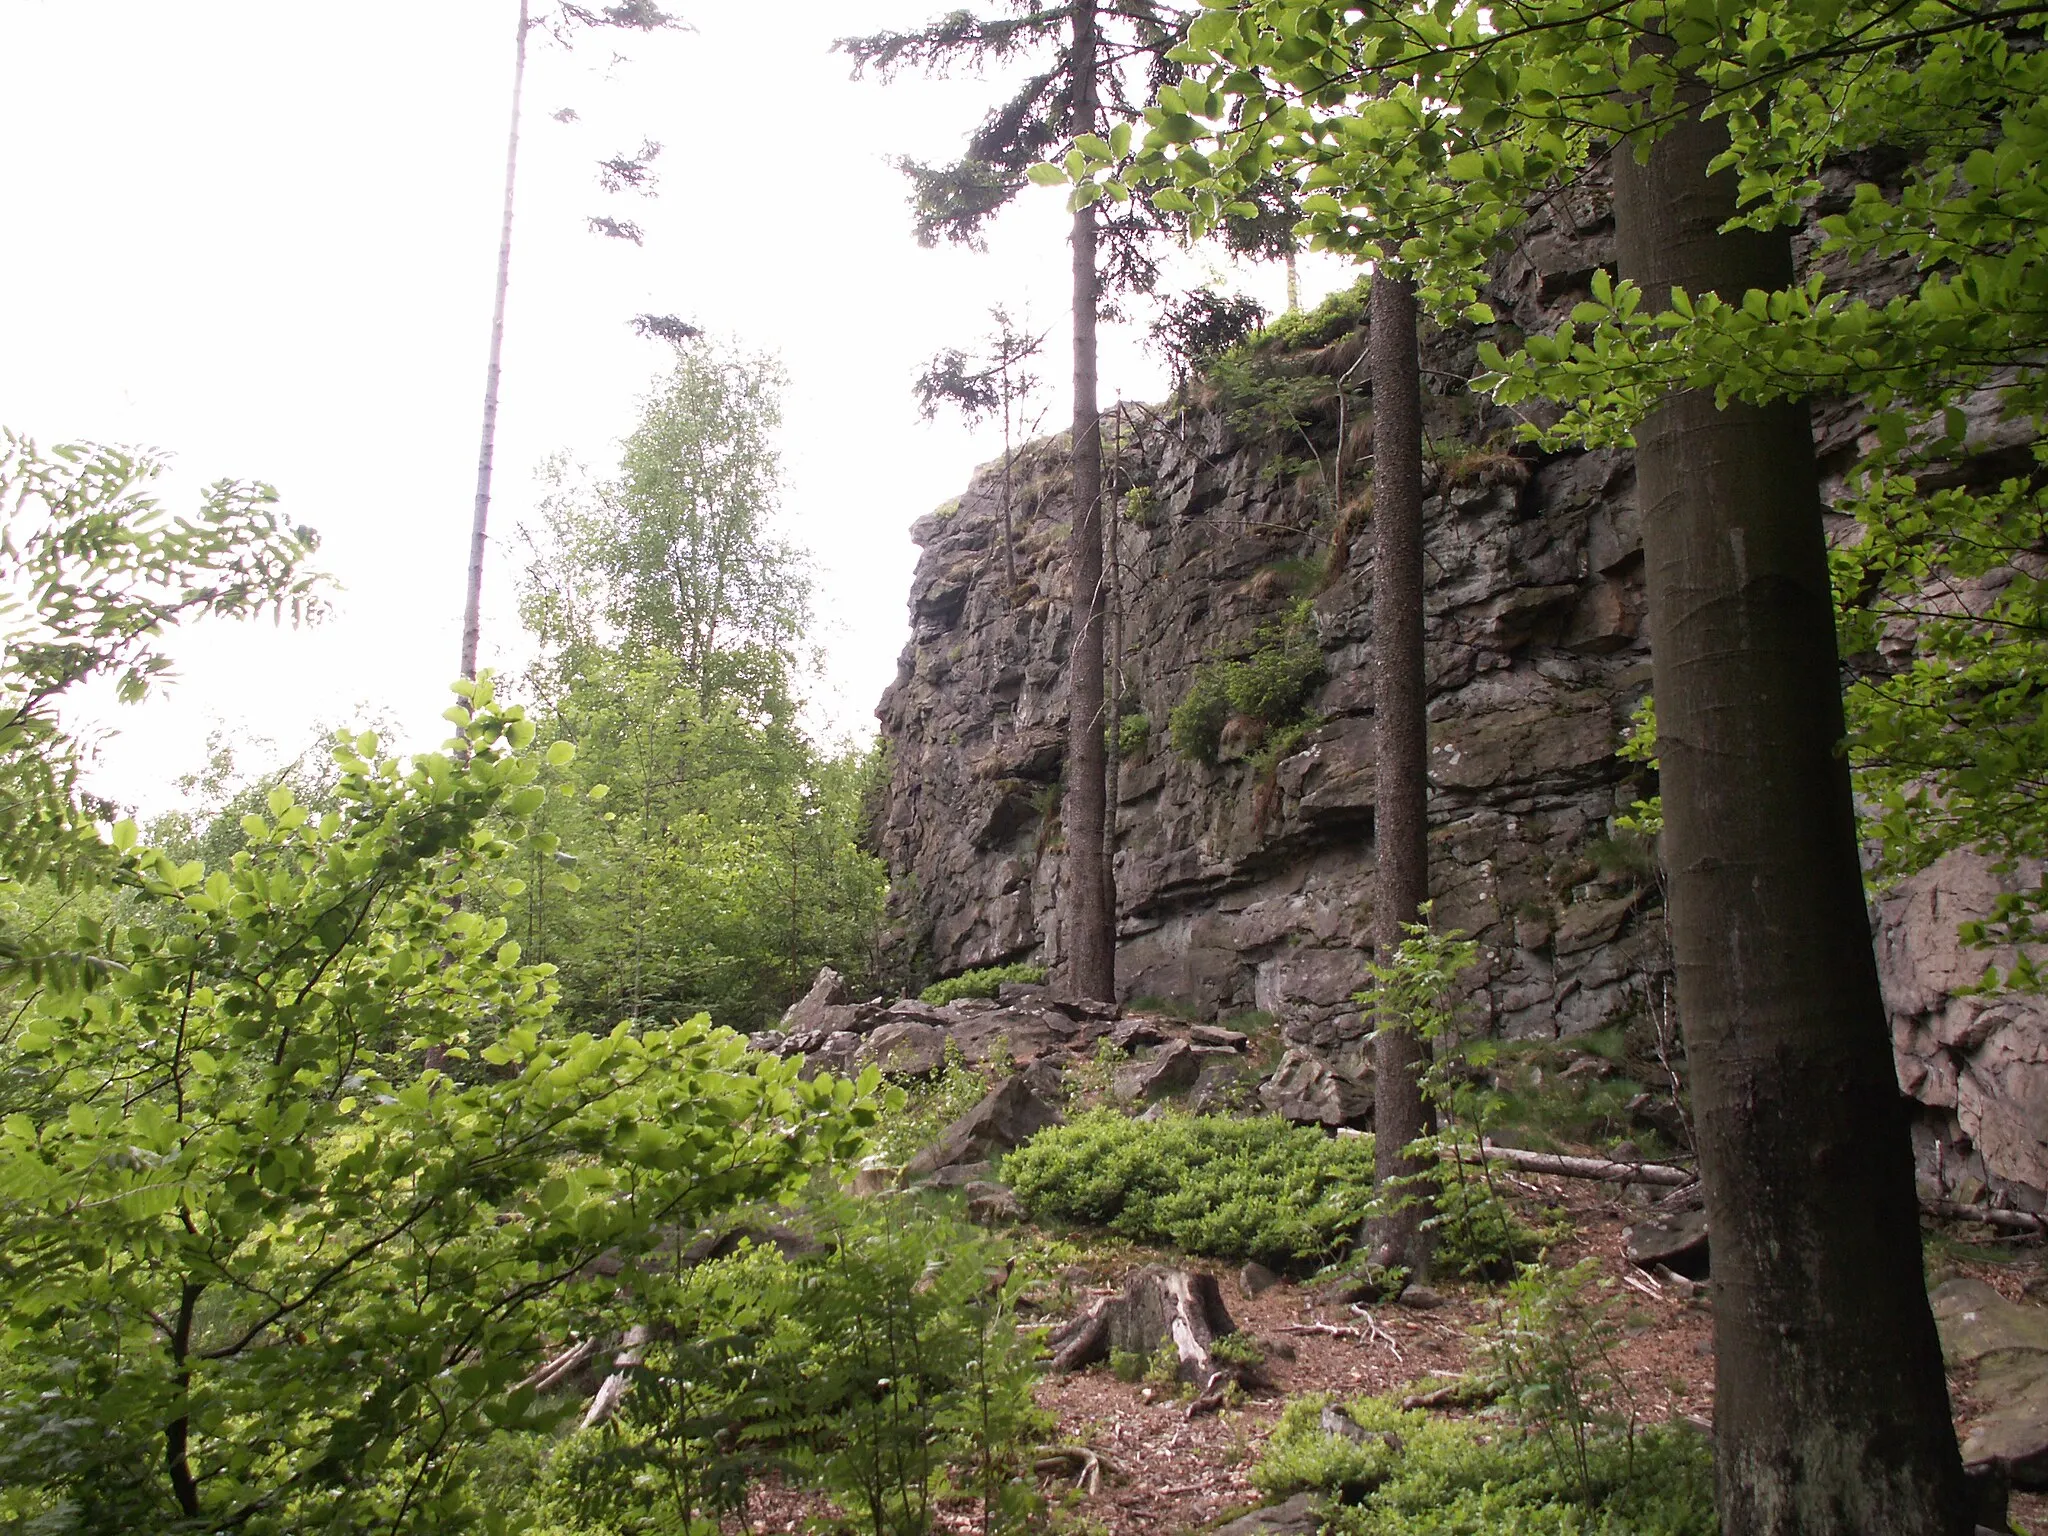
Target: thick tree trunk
(1832,1414)
(1400,743)
(480,517)
(1090,901)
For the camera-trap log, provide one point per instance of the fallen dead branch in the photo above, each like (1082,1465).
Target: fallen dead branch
(1683,1284)
(1462,1393)
(1374,1330)
(1990,1215)
(1649,1288)
(552,1371)
(1603,1168)
(1614,1172)
(1332,1330)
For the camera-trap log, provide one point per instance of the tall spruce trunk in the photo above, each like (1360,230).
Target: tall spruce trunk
(1831,1410)
(1090,901)
(1400,745)
(480,517)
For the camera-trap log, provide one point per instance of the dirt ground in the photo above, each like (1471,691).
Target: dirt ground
(1169,1474)
(1183,1474)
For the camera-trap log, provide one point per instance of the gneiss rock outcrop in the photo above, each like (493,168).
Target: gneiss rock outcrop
(1246,884)
(1977,1066)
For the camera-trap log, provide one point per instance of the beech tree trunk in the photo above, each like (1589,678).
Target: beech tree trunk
(480,517)
(1400,744)
(1090,899)
(1832,1413)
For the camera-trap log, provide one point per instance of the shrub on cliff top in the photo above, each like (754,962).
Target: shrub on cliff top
(1270,686)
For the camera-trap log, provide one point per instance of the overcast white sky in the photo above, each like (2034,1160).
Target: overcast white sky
(260,234)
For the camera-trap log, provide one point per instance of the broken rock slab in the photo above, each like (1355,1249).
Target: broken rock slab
(2012,1435)
(1301,1515)
(1304,1089)
(2008,1343)
(1216,1034)
(1678,1242)
(1173,1068)
(1010,1116)
(825,1009)
(1227,1085)
(1976,1322)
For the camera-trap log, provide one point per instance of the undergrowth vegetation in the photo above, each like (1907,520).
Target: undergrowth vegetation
(1258,1188)
(1418,1475)
(927,1108)
(877,1361)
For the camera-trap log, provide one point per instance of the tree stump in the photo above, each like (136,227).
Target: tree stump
(1157,1306)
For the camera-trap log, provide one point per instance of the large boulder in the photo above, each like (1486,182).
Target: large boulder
(904,1049)
(1010,1116)
(1010,1035)
(1170,1069)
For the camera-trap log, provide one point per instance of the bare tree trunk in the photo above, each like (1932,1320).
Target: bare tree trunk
(1401,747)
(1009,532)
(479,527)
(1832,1414)
(1091,905)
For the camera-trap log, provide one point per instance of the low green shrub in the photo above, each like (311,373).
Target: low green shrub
(1228,1187)
(981,983)
(1303,1457)
(1459,1478)
(1270,686)
(1215,1185)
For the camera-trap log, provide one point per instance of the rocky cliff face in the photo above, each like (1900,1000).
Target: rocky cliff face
(1246,885)
(1977,1067)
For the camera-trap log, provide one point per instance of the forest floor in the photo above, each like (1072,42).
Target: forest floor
(1170,1474)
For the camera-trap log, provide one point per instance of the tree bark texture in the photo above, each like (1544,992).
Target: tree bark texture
(1832,1413)
(1400,743)
(1090,902)
(480,518)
